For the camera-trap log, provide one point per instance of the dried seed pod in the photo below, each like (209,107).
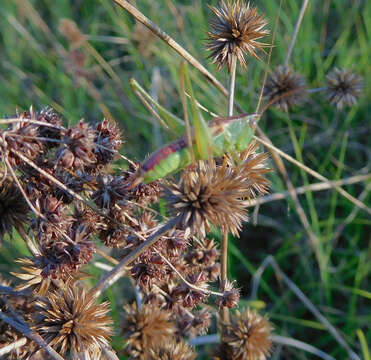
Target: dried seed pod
(343,87)
(234,32)
(207,193)
(171,350)
(107,141)
(77,150)
(13,207)
(21,137)
(144,328)
(245,337)
(69,318)
(285,88)
(230,297)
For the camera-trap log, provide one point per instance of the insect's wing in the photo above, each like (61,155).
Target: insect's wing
(202,133)
(168,119)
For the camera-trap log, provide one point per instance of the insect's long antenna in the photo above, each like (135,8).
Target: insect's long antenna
(269,58)
(185,110)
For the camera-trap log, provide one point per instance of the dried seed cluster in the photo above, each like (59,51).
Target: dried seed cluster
(57,167)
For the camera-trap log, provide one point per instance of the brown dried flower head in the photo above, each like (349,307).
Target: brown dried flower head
(144,328)
(78,149)
(285,88)
(70,319)
(13,207)
(234,32)
(107,141)
(208,193)
(172,351)
(230,297)
(343,87)
(246,337)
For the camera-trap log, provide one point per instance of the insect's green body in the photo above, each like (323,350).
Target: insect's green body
(228,135)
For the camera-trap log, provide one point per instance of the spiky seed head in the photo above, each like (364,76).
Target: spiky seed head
(230,297)
(343,87)
(13,207)
(247,336)
(171,350)
(285,88)
(21,136)
(69,318)
(107,141)
(208,193)
(77,150)
(144,328)
(49,116)
(235,30)
(32,276)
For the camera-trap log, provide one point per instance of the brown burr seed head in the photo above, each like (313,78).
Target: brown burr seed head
(235,31)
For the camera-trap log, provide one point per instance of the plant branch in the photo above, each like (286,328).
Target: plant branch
(296,31)
(119,269)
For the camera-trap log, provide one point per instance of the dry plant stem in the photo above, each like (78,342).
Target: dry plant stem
(296,30)
(20,325)
(107,257)
(269,58)
(270,260)
(119,269)
(171,42)
(30,121)
(193,287)
(13,346)
(214,339)
(284,340)
(267,143)
(224,313)
(224,246)
(28,241)
(314,187)
(232,80)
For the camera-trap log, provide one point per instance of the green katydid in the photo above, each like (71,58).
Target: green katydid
(221,135)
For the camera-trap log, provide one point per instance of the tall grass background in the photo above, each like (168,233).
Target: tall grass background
(334,274)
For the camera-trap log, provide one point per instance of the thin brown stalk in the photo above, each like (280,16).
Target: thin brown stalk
(171,42)
(107,257)
(224,314)
(296,31)
(326,185)
(119,269)
(269,58)
(232,81)
(267,143)
(28,241)
(181,277)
